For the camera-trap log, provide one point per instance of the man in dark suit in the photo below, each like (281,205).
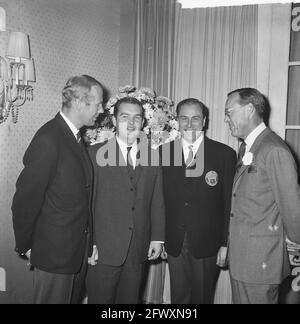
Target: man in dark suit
(51,206)
(197,207)
(128,208)
(265,202)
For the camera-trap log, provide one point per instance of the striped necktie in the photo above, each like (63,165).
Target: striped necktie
(241,154)
(78,137)
(129,159)
(190,157)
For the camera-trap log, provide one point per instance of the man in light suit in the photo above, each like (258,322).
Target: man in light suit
(198,200)
(128,209)
(265,202)
(51,206)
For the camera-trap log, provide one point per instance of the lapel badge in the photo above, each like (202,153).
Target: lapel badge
(212,178)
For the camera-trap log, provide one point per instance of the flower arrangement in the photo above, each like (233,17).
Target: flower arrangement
(161,125)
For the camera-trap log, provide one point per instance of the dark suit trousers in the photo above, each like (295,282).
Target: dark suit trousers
(193,281)
(53,288)
(108,284)
(246,293)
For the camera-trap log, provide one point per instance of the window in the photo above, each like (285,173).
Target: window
(293,100)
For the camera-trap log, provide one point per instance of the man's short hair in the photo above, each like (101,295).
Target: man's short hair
(253,96)
(78,87)
(129,100)
(193,101)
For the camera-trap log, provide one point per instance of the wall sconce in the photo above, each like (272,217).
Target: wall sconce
(16,72)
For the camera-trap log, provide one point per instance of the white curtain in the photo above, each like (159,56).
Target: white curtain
(154,45)
(215,52)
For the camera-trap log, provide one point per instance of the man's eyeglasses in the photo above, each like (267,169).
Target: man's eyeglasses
(229,112)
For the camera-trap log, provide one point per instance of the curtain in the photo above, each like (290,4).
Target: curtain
(215,52)
(154,45)
(201,53)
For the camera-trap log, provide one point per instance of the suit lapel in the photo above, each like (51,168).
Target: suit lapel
(253,150)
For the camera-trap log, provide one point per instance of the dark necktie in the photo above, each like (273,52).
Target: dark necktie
(242,151)
(78,137)
(129,159)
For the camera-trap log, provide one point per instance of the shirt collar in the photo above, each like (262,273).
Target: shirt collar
(123,147)
(196,144)
(250,139)
(73,128)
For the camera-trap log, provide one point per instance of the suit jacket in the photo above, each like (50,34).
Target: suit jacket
(124,207)
(51,206)
(199,206)
(265,209)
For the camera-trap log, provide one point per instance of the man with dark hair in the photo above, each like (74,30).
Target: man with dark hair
(265,202)
(128,209)
(51,206)
(197,207)
(128,100)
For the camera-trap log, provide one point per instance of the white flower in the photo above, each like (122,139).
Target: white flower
(174,124)
(173,134)
(248,158)
(127,89)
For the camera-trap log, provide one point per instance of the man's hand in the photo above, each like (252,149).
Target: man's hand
(94,258)
(28,254)
(222,257)
(155,250)
(164,254)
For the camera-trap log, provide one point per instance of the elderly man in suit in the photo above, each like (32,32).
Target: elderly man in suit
(198,200)
(51,206)
(265,202)
(128,208)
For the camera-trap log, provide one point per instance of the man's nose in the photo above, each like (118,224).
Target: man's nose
(190,122)
(130,121)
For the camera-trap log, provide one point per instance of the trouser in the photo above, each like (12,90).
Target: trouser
(52,288)
(193,281)
(247,293)
(107,284)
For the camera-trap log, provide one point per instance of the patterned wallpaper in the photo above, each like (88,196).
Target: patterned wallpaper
(67,37)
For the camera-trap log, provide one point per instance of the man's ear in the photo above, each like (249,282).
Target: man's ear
(143,123)
(203,123)
(114,121)
(77,104)
(251,109)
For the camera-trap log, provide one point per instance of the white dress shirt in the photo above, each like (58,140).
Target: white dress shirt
(133,152)
(73,128)
(250,139)
(195,146)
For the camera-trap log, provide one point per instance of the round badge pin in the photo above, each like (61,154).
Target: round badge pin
(212,178)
